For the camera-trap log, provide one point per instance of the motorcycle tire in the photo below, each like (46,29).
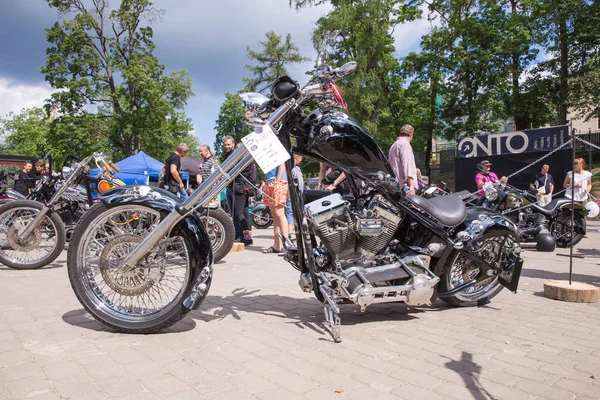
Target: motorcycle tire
(60,234)
(462,298)
(262,219)
(566,242)
(95,303)
(220,229)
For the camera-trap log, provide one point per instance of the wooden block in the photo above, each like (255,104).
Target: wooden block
(577,292)
(237,246)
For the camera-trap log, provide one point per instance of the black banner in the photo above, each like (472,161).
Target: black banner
(560,163)
(526,141)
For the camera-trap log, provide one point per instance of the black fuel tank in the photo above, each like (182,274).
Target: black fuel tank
(345,143)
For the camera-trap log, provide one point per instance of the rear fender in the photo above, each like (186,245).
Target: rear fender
(190,229)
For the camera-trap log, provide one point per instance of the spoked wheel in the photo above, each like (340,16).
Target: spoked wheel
(261,219)
(144,299)
(220,230)
(463,268)
(561,229)
(40,247)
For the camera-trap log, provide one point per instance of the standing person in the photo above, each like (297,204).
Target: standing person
(275,196)
(485,175)
(402,160)
(333,179)
(208,163)
(23,182)
(47,169)
(543,182)
(38,171)
(243,189)
(228,147)
(173,171)
(579,185)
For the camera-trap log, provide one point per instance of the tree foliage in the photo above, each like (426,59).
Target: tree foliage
(25,133)
(271,61)
(230,121)
(102,61)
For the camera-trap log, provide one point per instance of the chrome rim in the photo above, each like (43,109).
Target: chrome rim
(260,218)
(215,231)
(562,228)
(464,269)
(35,248)
(150,289)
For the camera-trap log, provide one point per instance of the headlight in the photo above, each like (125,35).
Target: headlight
(491,194)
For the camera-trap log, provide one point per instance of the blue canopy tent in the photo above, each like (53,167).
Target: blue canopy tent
(139,168)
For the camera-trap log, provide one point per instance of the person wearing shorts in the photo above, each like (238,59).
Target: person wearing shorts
(275,196)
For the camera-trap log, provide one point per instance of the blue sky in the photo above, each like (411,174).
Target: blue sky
(208,39)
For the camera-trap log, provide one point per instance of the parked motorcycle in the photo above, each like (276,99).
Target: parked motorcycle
(260,215)
(522,208)
(33,232)
(140,261)
(7,194)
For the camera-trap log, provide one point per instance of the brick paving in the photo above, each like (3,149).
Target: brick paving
(258,336)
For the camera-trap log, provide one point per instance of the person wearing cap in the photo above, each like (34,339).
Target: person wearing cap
(485,175)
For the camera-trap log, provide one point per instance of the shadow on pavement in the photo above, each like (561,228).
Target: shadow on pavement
(82,319)
(469,371)
(304,313)
(593,253)
(541,274)
(49,266)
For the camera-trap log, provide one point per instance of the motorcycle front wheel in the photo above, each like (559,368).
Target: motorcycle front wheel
(145,299)
(220,230)
(42,246)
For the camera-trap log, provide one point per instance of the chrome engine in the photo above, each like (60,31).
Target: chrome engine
(356,270)
(348,234)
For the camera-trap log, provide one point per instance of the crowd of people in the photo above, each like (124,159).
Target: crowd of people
(28,176)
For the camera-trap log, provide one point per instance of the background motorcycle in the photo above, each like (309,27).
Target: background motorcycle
(377,248)
(261,215)
(522,207)
(33,232)
(6,193)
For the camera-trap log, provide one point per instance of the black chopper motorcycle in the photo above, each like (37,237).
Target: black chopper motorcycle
(522,208)
(33,232)
(140,259)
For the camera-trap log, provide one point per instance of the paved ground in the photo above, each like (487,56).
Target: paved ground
(259,337)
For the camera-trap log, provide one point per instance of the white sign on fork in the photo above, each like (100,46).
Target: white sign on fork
(265,147)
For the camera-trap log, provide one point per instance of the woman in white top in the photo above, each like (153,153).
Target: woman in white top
(581,184)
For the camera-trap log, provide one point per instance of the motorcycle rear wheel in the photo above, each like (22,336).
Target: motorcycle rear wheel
(148,298)
(459,271)
(563,224)
(41,247)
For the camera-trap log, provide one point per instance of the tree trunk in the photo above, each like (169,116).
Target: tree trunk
(516,72)
(431,127)
(564,64)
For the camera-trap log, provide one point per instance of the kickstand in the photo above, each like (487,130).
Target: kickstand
(334,322)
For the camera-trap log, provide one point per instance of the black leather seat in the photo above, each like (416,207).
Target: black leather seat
(552,207)
(449,210)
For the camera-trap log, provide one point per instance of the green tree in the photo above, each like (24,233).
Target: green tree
(271,61)
(375,92)
(230,121)
(102,60)
(25,133)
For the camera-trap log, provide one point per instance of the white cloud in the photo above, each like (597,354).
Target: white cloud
(16,96)
(407,37)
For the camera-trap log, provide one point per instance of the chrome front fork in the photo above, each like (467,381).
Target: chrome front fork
(232,167)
